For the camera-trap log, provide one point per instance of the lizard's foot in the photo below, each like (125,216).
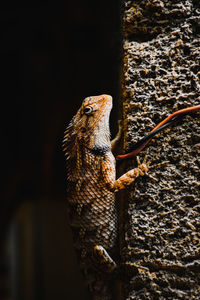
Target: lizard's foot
(102,260)
(146,166)
(143,167)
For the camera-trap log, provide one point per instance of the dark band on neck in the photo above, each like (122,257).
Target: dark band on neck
(100,150)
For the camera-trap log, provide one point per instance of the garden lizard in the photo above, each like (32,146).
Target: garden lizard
(92,185)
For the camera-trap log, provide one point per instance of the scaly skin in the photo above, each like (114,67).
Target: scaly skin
(91,187)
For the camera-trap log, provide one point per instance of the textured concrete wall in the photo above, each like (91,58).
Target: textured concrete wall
(161,242)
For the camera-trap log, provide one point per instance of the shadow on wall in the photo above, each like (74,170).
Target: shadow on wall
(53,55)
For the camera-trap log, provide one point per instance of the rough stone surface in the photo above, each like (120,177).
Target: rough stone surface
(161,242)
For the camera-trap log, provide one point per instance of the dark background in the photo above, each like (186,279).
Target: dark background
(53,55)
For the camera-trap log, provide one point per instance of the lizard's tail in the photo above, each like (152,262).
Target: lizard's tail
(171,119)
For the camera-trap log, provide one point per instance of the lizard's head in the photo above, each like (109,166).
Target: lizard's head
(90,126)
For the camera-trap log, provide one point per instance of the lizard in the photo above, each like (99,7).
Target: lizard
(92,184)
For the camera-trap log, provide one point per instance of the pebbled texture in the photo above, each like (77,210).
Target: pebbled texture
(162,218)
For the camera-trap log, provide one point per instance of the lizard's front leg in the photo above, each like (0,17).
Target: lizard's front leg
(126,179)
(129,177)
(115,142)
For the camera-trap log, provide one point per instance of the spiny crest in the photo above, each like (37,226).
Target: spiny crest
(71,135)
(69,139)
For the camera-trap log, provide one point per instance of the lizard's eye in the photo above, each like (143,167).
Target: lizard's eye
(88,110)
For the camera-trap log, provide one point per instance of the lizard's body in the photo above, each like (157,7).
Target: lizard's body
(92,206)
(92,184)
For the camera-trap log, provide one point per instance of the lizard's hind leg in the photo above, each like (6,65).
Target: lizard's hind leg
(102,260)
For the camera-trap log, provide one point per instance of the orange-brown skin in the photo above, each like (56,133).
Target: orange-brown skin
(91,185)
